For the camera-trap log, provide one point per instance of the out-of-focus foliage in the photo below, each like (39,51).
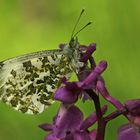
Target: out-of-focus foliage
(33,25)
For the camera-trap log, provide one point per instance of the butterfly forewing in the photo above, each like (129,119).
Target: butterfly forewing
(28,82)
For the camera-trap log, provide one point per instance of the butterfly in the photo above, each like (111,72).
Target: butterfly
(28,82)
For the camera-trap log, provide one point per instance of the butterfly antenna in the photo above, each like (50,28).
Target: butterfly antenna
(82,28)
(77,22)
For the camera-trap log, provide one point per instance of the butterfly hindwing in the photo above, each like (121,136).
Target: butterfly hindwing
(28,82)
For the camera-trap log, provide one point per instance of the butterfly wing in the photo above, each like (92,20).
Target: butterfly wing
(28,82)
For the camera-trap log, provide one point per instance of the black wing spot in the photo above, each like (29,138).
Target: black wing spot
(28,66)
(1,65)
(44,100)
(32,88)
(13,72)
(14,102)
(40,81)
(24,109)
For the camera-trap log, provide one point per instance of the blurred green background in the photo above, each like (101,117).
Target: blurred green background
(33,25)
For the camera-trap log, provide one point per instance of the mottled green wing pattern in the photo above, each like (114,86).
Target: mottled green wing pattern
(28,82)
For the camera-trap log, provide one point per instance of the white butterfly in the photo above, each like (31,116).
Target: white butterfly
(28,82)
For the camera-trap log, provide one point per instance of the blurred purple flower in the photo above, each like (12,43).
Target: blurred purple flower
(69,124)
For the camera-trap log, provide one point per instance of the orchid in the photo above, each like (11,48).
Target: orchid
(69,122)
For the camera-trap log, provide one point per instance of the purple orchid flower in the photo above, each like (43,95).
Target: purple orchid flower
(69,124)
(89,79)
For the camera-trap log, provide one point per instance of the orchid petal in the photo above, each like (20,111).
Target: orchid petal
(91,79)
(100,87)
(133,106)
(90,49)
(128,132)
(65,95)
(46,127)
(69,119)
